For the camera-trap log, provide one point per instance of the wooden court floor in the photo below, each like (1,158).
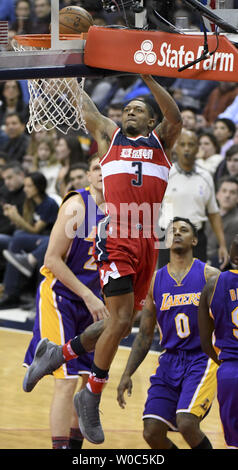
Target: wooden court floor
(24,418)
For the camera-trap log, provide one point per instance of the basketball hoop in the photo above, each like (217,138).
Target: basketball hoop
(54,103)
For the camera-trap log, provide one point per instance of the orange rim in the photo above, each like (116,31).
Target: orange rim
(44,40)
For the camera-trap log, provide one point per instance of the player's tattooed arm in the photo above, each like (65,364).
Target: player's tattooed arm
(99,126)
(143,341)
(210,271)
(106,138)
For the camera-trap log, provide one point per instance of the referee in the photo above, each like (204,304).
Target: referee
(190,193)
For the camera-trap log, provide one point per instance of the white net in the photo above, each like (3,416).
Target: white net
(54,102)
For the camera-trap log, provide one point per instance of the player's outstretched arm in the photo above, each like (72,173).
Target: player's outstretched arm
(140,348)
(205,321)
(170,127)
(99,126)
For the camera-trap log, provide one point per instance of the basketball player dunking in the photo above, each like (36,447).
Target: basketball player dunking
(135,168)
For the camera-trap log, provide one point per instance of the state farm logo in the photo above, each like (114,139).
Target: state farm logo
(172,57)
(146,53)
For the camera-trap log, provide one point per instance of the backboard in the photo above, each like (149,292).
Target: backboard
(64,58)
(67,58)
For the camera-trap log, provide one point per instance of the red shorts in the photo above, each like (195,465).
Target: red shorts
(117,257)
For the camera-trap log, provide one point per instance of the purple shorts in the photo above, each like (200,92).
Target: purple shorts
(184,382)
(227,395)
(60,319)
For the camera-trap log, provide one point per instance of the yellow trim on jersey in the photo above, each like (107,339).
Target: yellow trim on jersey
(205,271)
(213,292)
(179,283)
(205,392)
(152,286)
(160,331)
(72,192)
(50,321)
(47,273)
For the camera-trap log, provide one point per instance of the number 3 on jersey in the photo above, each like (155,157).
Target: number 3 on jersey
(139,180)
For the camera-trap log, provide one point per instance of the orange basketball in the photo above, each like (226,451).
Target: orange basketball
(74,20)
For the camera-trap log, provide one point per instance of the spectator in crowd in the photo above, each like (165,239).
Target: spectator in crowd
(235,137)
(18,141)
(76,177)
(101,91)
(224,131)
(189,182)
(3,139)
(9,45)
(28,163)
(23,21)
(118,90)
(192,93)
(3,162)
(39,214)
(227,197)
(11,100)
(189,119)
(44,160)
(68,152)
(201,123)
(114,112)
(228,166)
(7,10)
(37,137)
(27,263)
(231,112)
(42,16)
(208,156)
(135,90)
(12,194)
(219,99)
(232,161)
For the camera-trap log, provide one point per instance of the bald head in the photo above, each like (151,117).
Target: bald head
(186,149)
(186,133)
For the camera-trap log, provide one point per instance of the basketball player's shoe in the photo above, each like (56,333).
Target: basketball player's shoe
(87,407)
(48,357)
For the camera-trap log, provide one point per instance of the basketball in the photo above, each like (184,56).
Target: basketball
(74,20)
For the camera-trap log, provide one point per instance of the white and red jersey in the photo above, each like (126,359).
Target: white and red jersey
(135,170)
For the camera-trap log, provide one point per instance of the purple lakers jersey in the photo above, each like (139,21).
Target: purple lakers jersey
(224,310)
(177,307)
(79,257)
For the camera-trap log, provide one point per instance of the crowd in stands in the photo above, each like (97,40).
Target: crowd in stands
(38,169)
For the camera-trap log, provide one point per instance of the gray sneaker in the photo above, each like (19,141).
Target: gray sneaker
(87,407)
(19,261)
(48,357)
